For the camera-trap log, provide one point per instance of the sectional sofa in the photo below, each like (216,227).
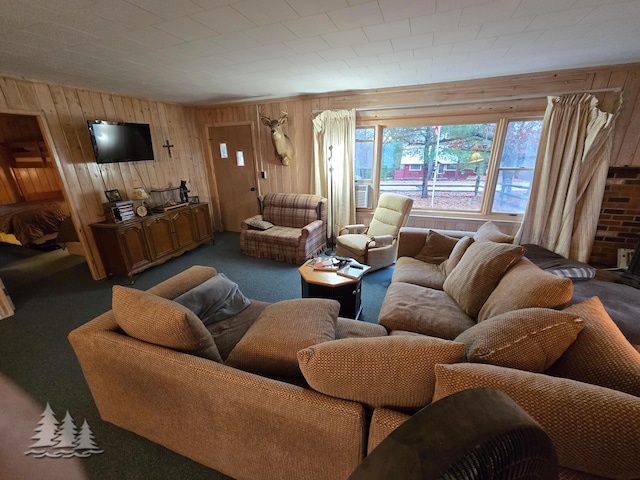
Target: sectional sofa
(290,390)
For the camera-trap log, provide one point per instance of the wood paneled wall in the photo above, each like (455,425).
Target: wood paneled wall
(516,94)
(64,111)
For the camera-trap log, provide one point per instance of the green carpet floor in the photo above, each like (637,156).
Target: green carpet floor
(54,293)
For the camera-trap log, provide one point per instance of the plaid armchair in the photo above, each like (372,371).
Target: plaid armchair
(291,228)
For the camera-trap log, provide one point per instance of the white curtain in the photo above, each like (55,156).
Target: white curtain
(571,171)
(335,129)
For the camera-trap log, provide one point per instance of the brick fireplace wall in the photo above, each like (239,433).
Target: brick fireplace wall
(619,222)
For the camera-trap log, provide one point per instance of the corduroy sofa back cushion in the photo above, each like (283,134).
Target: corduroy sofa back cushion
(594,429)
(395,371)
(271,344)
(523,286)
(163,322)
(291,209)
(478,273)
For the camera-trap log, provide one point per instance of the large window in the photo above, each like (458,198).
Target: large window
(482,168)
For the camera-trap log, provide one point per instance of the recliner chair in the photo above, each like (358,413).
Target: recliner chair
(376,245)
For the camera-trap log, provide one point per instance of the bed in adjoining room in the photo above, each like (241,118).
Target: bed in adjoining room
(31,223)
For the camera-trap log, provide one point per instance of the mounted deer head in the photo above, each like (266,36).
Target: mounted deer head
(281,142)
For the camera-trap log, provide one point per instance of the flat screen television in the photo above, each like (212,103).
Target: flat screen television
(120,141)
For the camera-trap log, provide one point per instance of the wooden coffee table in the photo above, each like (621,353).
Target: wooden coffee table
(319,284)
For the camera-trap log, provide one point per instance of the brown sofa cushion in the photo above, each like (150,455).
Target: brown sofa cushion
(392,371)
(163,322)
(489,232)
(530,339)
(417,272)
(270,345)
(455,256)
(601,354)
(437,248)
(594,429)
(526,285)
(349,328)
(422,310)
(478,273)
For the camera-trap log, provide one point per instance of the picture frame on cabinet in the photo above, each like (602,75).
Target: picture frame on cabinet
(113,195)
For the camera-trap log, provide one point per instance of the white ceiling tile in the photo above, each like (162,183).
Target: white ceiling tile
(235,41)
(537,7)
(517,39)
(345,38)
(268,34)
(168,9)
(305,8)
(305,59)
(312,25)
(197,50)
(499,10)
(389,30)
(435,23)
(414,41)
(506,27)
(404,9)
(306,45)
(151,37)
(363,61)
(478,45)
(456,35)
(559,19)
(122,12)
(338,54)
(614,11)
(224,20)
(185,28)
(448,5)
(374,48)
(358,16)
(265,13)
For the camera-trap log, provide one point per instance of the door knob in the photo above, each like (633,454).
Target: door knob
(253,189)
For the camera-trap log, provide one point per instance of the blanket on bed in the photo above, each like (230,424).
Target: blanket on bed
(29,221)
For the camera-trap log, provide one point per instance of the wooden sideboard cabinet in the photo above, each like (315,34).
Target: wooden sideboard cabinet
(127,248)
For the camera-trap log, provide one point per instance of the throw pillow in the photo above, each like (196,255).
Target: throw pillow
(270,345)
(214,300)
(258,223)
(530,339)
(478,273)
(601,354)
(455,256)
(590,426)
(437,248)
(394,371)
(163,322)
(523,286)
(489,232)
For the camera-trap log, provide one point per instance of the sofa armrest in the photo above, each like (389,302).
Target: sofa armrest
(354,228)
(594,429)
(381,241)
(312,229)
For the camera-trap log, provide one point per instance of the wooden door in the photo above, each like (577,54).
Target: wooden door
(235,174)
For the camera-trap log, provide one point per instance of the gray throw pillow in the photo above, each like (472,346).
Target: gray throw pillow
(214,300)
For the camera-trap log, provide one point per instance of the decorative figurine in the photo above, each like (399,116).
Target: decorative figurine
(184,191)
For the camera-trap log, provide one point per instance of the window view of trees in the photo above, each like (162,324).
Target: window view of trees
(447,167)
